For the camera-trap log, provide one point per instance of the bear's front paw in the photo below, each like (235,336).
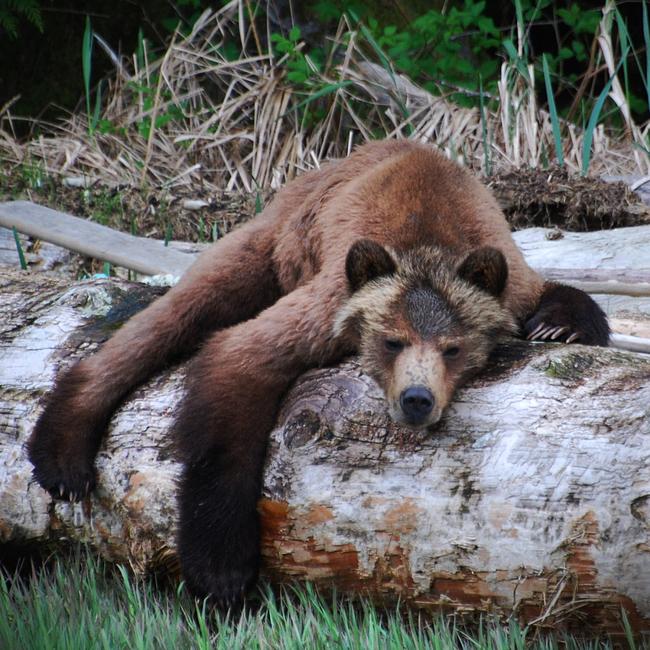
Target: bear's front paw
(569,315)
(68,475)
(62,449)
(66,438)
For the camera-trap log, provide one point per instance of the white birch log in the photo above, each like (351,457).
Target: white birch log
(531,497)
(621,250)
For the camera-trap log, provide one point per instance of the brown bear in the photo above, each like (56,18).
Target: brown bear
(395,252)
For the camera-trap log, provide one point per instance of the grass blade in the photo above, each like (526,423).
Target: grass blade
(19,248)
(86,60)
(646,38)
(625,44)
(484,129)
(520,27)
(595,114)
(387,65)
(325,90)
(383,58)
(140,51)
(555,121)
(98,105)
(518,61)
(629,633)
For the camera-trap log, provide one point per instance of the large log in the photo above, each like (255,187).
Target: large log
(532,496)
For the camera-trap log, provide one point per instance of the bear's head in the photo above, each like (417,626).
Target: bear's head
(423,322)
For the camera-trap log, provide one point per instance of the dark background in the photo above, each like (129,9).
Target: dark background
(44,68)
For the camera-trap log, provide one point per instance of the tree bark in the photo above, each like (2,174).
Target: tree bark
(531,497)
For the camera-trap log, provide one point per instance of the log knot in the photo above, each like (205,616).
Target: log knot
(303,428)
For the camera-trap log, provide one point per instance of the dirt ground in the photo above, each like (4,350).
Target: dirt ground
(552,197)
(529,197)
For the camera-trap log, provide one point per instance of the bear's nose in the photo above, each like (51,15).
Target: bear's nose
(417,403)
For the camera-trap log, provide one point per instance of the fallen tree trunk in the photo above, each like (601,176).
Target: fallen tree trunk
(532,496)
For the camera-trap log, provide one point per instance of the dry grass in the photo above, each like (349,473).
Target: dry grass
(238,125)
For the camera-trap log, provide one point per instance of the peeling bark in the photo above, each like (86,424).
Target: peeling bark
(532,496)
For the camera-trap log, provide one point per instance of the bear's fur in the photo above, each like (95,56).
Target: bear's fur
(394,251)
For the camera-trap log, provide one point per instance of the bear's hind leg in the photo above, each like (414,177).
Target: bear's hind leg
(567,314)
(233,391)
(231,282)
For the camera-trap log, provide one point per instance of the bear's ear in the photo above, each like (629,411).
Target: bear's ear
(366,261)
(487,269)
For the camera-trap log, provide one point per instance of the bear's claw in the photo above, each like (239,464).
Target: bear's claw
(569,315)
(545,332)
(69,486)
(69,480)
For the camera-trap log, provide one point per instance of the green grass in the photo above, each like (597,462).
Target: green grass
(19,249)
(79,602)
(555,120)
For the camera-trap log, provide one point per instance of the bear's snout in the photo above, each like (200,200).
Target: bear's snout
(417,403)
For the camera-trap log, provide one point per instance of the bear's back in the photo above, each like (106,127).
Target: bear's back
(400,194)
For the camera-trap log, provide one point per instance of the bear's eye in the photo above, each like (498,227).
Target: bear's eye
(451,353)
(393,345)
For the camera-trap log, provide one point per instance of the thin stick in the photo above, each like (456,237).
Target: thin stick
(630,343)
(617,282)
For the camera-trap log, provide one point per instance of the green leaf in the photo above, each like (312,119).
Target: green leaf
(555,121)
(325,90)
(294,34)
(86,60)
(646,38)
(385,62)
(19,248)
(579,50)
(519,14)
(297,76)
(98,108)
(518,61)
(487,26)
(284,46)
(105,126)
(595,114)
(170,24)
(568,15)
(11,10)
(484,129)
(587,22)
(10,24)
(326,11)
(140,54)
